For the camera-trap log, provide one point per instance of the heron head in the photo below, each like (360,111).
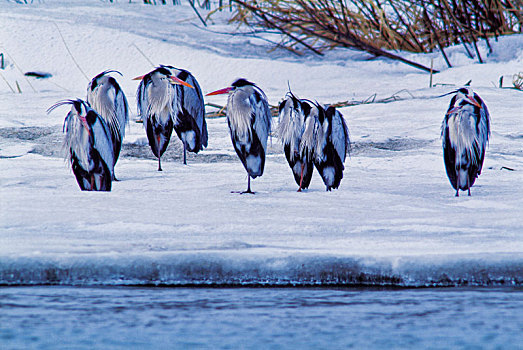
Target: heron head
(467,95)
(176,81)
(165,72)
(79,109)
(238,83)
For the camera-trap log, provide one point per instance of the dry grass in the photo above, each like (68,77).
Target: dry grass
(378,25)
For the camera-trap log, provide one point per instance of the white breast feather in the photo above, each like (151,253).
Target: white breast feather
(239,114)
(77,141)
(310,134)
(291,126)
(102,100)
(463,136)
(157,100)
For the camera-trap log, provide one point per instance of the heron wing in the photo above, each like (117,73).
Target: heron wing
(122,110)
(141,101)
(483,130)
(449,153)
(261,115)
(102,141)
(193,103)
(339,135)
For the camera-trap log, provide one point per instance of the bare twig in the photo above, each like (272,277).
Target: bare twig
(141,52)
(70,53)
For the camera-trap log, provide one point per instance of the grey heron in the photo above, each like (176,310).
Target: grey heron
(249,121)
(90,150)
(326,137)
(169,98)
(293,115)
(107,98)
(465,133)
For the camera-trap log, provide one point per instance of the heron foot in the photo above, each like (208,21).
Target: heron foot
(244,192)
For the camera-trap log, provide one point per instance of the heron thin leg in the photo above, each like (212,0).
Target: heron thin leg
(248,186)
(92,183)
(457,185)
(184,157)
(468,184)
(301,178)
(159,164)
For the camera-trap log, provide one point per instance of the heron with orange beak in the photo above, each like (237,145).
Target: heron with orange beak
(249,120)
(465,133)
(169,98)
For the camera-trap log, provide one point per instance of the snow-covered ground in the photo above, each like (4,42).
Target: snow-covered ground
(393,220)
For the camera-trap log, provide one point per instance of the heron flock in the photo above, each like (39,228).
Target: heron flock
(313,135)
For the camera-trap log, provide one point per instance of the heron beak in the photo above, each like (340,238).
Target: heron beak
(453,110)
(84,123)
(219,92)
(473,101)
(175,80)
(139,78)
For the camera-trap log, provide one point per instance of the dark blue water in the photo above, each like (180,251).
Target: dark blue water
(259,318)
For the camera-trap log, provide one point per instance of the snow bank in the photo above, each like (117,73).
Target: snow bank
(393,221)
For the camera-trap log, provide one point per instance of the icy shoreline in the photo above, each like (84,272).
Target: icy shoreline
(241,269)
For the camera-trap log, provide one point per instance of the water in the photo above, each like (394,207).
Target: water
(259,318)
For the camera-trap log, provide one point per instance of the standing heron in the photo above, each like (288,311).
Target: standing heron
(88,141)
(293,115)
(326,136)
(249,120)
(107,98)
(170,98)
(465,132)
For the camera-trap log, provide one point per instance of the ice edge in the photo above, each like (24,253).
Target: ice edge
(206,269)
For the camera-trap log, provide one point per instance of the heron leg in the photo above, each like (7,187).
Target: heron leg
(301,178)
(92,183)
(159,164)
(457,184)
(468,184)
(184,151)
(248,185)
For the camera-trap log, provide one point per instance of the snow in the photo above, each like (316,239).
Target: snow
(394,219)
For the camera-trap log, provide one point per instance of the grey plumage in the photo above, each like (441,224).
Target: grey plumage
(293,116)
(107,98)
(89,147)
(249,121)
(326,137)
(170,98)
(465,133)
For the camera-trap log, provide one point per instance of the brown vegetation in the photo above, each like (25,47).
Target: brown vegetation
(379,25)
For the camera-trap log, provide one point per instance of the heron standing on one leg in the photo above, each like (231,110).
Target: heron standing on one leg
(249,120)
